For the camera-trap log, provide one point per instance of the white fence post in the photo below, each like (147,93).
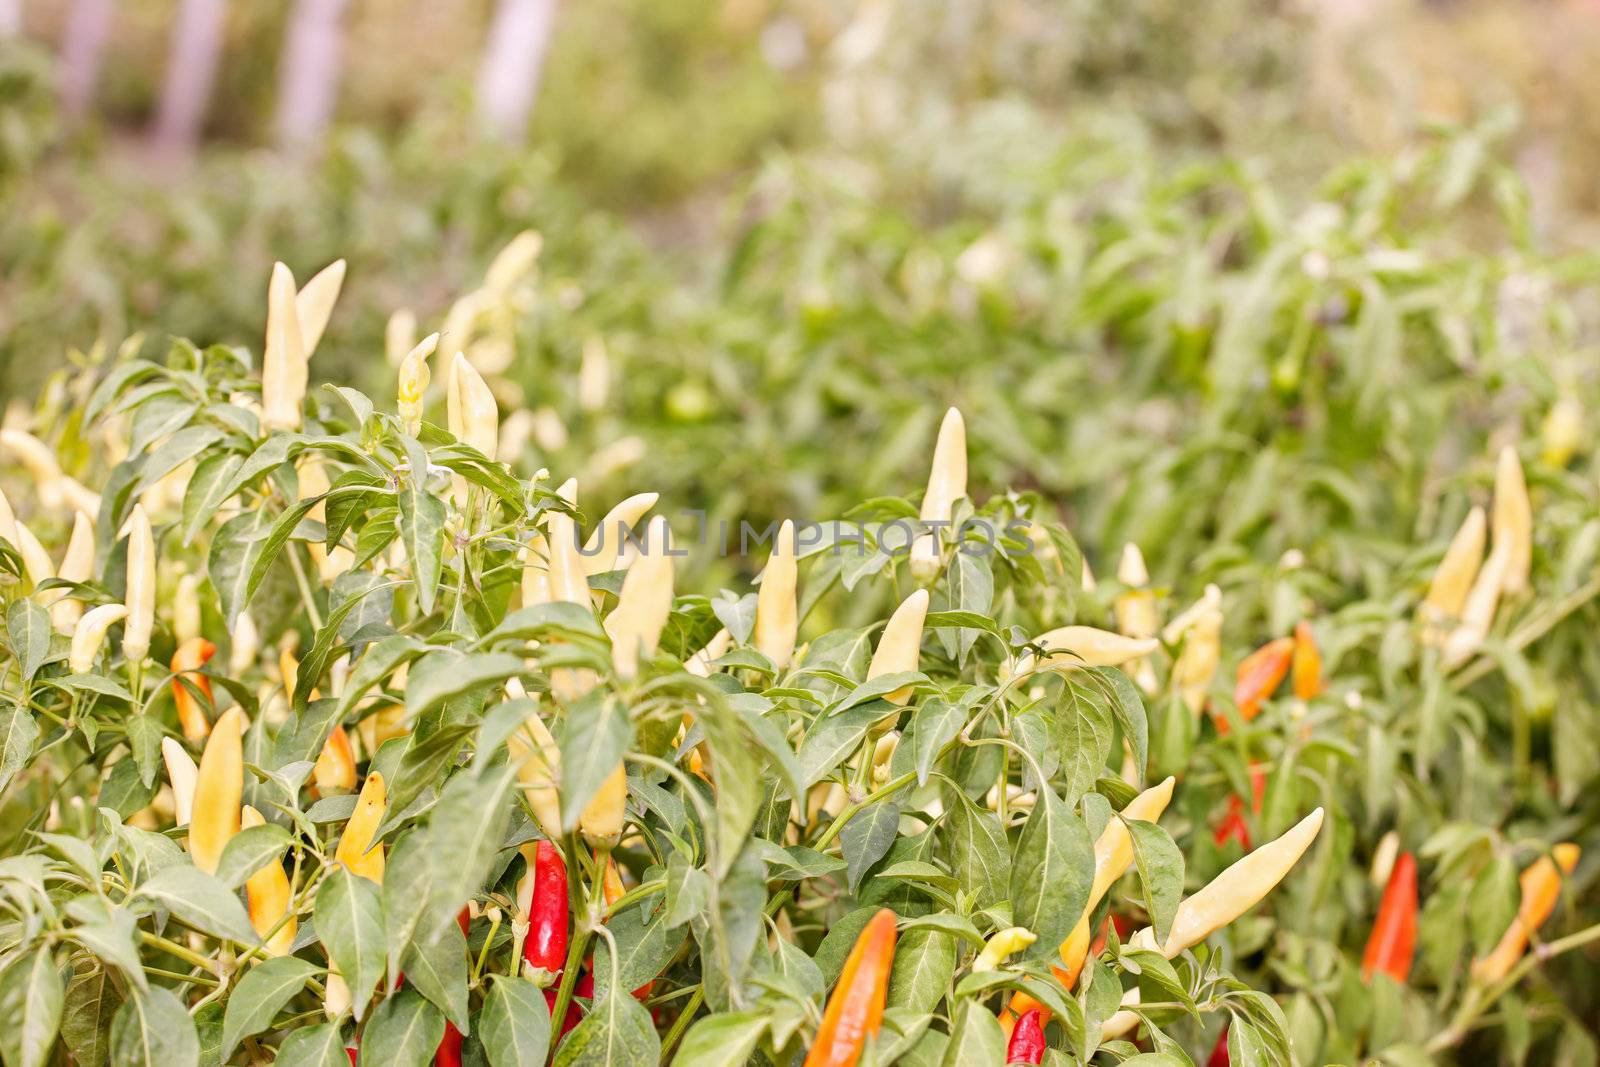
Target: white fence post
(308,79)
(513,59)
(191,70)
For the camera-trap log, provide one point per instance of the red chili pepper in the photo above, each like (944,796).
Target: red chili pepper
(449,1054)
(546,946)
(1233,825)
(1257,678)
(583,987)
(1219,1052)
(1027,1039)
(1394,934)
(350,1050)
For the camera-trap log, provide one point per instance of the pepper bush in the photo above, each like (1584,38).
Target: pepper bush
(435,679)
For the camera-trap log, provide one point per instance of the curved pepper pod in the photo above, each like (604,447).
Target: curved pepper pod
(855,1010)
(602,818)
(900,647)
(313,304)
(604,546)
(335,770)
(1069,648)
(140,596)
(643,603)
(1305,668)
(218,790)
(538,761)
(701,663)
(1236,890)
(777,610)
(181,775)
(1393,941)
(547,909)
(1258,677)
(947,483)
(1002,946)
(357,850)
(90,634)
(1512,521)
(1136,612)
(77,565)
(1027,1039)
(186,663)
(1477,615)
(268,895)
(1124,1020)
(1541,887)
(1447,591)
(412,384)
(471,414)
(284,370)
(1200,628)
(1219,1052)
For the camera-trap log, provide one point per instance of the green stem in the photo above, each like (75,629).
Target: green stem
(172,948)
(681,1023)
(1479,999)
(305,591)
(1531,631)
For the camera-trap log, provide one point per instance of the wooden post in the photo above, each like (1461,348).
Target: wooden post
(191,70)
(513,59)
(83,47)
(308,81)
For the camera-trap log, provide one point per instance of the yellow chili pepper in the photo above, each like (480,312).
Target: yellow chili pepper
(1200,628)
(40,459)
(1002,946)
(538,761)
(700,663)
(186,608)
(385,724)
(1086,578)
(140,596)
(36,562)
(602,818)
(182,775)
(1562,432)
(219,787)
(90,634)
(186,663)
(8,520)
(643,603)
(601,551)
(1121,1022)
(777,610)
(472,415)
(313,304)
(284,372)
(1477,615)
(594,375)
(1513,520)
(413,385)
(566,574)
(1447,592)
(335,770)
(1383,858)
(947,483)
(314,482)
(1069,648)
(1541,887)
(357,850)
(1136,611)
(268,895)
(1236,890)
(246,644)
(77,565)
(900,646)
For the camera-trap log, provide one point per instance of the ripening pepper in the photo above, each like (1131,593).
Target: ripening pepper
(140,594)
(357,850)
(855,1010)
(900,646)
(412,386)
(335,770)
(1027,1039)
(1561,433)
(1200,628)
(604,546)
(284,370)
(186,663)
(181,775)
(1305,670)
(1001,946)
(1258,677)
(567,582)
(1541,887)
(602,818)
(1512,521)
(1393,941)
(1477,614)
(268,894)
(643,603)
(1136,610)
(1236,890)
(90,634)
(538,761)
(313,304)
(471,414)
(1447,591)
(700,663)
(547,909)
(218,790)
(947,483)
(777,617)
(1068,648)
(186,608)
(1234,826)
(512,263)
(77,565)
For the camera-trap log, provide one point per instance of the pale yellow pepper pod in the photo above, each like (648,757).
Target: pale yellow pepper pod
(284,372)
(566,575)
(700,664)
(77,565)
(218,790)
(8,520)
(357,849)
(456,333)
(947,483)
(268,895)
(1086,577)
(602,818)
(538,761)
(90,634)
(40,460)
(594,375)
(1121,1022)
(313,305)
(1200,628)
(1136,611)
(314,482)
(513,262)
(182,775)
(335,769)
(385,724)
(643,603)
(900,647)
(1562,431)
(1477,615)
(777,607)
(472,415)
(36,563)
(1383,859)
(186,609)
(1001,946)
(536,571)
(1070,648)
(1513,521)
(399,335)
(1541,887)
(245,646)
(604,547)
(1454,577)
(413,383)
(140,597)
(1236,890)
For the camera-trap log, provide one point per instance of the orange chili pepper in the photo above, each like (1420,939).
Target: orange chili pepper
(1541,886)
(1306,667)
(855,1010)
(1257,678)
(186,663)
(1394,934)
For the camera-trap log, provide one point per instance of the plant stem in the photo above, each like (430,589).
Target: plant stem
(681,1023)
(1531,631)
(172,948)
(1479,999)
(305,589)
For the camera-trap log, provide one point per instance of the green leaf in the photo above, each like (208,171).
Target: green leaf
(92,1002)
(978,852)
(276,537)
(438,969)
(28,627)
(442,675)
(18,734)
(832,738)
(617,1032)
(977,1040)
(645,945)
(596,736)
(422,518)
(349,921)
(235,549)
(152,1029)
(1496,894)
(866,838)
(1051,873)
(1128,707)
(1160,864)
(514,1026)
(260,995)
(313,1046)
(250,850)
(203,498)
(404,1031)
(932,726)
(31,997)
(201,901)
(724,1040)
(1084,736)
(924,963)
